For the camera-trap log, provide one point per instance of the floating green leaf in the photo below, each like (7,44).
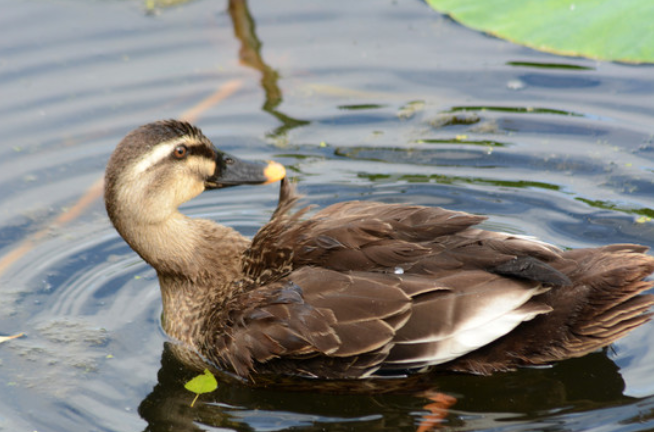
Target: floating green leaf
(205,383)
(616,30)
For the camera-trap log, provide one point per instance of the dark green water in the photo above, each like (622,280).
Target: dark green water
(379,100)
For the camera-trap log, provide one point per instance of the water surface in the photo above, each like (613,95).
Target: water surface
(372,100)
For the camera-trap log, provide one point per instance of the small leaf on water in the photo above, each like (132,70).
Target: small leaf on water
(205,383)
(6,338)
(643,219)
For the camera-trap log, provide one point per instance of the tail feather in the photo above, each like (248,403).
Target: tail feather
(585,345)
(615,305)
(615,317)
(603,304)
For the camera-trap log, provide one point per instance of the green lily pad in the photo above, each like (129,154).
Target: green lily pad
(205,383)
(615,30)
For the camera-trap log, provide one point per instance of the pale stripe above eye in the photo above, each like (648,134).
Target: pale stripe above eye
(157,154)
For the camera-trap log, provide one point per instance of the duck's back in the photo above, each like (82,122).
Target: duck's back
(365,288)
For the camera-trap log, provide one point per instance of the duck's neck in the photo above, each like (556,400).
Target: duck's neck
(197,262)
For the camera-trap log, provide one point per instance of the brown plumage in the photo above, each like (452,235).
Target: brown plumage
(359,288)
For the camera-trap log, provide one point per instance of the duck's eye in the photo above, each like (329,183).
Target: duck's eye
(180,151)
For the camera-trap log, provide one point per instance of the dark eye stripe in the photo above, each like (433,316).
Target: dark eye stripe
(202,150)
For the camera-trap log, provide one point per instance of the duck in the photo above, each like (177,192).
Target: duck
(359,289)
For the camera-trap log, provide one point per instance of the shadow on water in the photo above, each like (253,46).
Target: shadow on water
(527,395)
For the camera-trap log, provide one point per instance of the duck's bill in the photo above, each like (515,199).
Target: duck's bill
(231,171)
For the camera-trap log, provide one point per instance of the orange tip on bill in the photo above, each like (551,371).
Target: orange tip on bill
(274,172)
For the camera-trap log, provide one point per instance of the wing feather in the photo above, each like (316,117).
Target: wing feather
(363,286)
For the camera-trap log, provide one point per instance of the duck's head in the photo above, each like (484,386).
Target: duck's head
(158,166)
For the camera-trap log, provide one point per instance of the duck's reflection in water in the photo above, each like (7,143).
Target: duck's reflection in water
(527,395)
